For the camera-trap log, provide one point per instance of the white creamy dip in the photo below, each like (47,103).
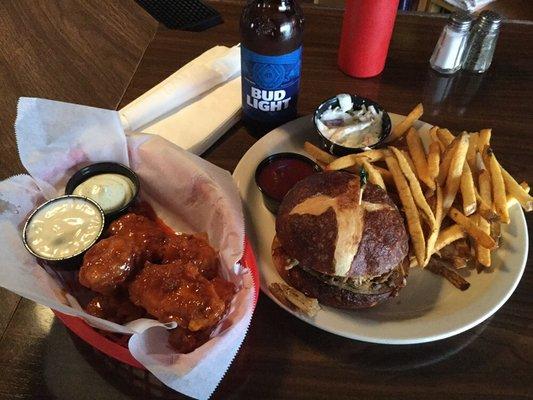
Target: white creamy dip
(110,191)
(63,228)
(351,127)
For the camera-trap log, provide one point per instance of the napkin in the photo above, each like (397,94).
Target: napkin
(190,195)
(469,5)
(194,106)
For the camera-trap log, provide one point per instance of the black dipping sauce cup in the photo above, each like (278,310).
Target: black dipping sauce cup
(358,102)
(105,168)
(278,173)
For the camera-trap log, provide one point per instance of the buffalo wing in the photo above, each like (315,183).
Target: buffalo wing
(177,292)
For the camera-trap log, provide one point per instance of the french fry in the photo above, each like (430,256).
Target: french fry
(294,299)
(445,237)
(496,231)
(482,253)
(434,234)
(321,165)
(511,201)
(433,160)
(472,150)
(462,249)
(410,161)
(480,164)
(400,129)
(486,158)
(485,210)
(414,184)
(343,162)
(517,191)
(433,133)
(442,268)
(385,174)
(449,235)
(411,213)
(446,160)
(483,139)
(445,136)
(435,138)
(318,154)
(467,191)
(355,159)
(472,229)
(453,179)
(373,175)
(459,262)
(498,188)
(485,190)
(416,149)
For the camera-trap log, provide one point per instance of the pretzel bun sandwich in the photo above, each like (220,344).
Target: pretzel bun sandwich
(339,242)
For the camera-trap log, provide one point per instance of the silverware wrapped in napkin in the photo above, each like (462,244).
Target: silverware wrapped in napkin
(194,106)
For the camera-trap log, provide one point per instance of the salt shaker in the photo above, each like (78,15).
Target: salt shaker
(447,56)
(482,42)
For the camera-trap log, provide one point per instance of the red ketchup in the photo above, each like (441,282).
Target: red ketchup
(279,176)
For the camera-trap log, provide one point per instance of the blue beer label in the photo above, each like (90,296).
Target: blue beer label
(270,85)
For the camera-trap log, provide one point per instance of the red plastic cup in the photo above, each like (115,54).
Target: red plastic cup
(366,33)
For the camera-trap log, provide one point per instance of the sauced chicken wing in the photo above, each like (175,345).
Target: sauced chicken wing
(185,341)
(186,288)
(116,307)
(224,289)
(109,263)
(139,228)
(190,248)
(177,292)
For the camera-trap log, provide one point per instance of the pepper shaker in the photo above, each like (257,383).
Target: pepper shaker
(482,42)
(447,56)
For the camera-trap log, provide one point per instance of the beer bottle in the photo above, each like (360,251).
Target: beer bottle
(271,58)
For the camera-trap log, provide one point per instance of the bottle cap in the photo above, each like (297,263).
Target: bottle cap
(461,20)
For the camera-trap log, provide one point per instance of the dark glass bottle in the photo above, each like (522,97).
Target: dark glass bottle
(271,54)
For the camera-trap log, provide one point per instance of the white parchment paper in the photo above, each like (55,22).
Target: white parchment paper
(187,193)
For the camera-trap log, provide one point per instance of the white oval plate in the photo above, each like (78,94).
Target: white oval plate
(429,308)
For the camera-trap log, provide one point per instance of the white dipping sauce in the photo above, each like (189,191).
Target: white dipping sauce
(348,127)
(63,228)
(110,191)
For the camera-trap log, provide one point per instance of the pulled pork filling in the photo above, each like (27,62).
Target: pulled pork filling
(364,285)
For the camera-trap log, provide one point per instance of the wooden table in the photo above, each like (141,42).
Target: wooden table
(68,51)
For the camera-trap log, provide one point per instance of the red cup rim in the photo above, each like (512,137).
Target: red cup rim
(114,350)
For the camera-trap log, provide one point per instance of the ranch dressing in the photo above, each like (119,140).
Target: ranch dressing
(110,191)
(349,127)
(63,227)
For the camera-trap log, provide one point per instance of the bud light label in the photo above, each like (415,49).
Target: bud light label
(270,85)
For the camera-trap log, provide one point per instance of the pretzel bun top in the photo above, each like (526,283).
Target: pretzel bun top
(332,225)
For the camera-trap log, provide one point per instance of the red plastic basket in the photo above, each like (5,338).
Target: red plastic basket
(119,351)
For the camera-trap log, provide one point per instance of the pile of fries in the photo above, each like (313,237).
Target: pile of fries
(453,191)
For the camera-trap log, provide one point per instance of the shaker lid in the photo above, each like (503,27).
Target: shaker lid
(490,19)
(461,20)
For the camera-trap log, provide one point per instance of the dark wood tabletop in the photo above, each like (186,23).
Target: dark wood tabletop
(105,54)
